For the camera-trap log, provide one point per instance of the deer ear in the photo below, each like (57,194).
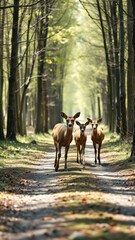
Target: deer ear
(87,123)
(76,115)
(77,123)
(99,120)
(63,115)
(89,120)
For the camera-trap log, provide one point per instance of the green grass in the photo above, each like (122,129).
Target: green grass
(18,158)
(118,151)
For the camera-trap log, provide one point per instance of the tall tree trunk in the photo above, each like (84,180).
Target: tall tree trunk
(26,82)
(99,109)
(111,63)
(42,100)
(130,97)
(122,73)
(117,72)
(133,42)
(11,120)
(2,18)
(22,118)
(109,84)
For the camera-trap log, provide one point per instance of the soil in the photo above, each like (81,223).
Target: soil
(35,215)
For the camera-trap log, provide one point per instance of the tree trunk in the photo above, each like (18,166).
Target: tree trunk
(130,71)
(122,73)
(2,18)
(12,119)
(117,73)
(99,109)
(26,82)
(109,84)
(111,64)
(133,42)
(42,105)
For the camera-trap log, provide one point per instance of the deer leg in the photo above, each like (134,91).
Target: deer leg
(84,156)
(99,153)
(59,155)
(95,153)
(81,154)
(55,162)
(66,153)
(77,154)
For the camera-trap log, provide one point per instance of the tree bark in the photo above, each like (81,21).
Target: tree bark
(42,106)
(133,42)
(122,73)
(109,84)
(12,119)
(111,63)
(117,72)
(130,70)
(2,18)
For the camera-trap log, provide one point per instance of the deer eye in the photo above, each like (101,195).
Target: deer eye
(72,121)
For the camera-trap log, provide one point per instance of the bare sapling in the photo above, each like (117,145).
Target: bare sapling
(97,137)
(62,136)
(80,138)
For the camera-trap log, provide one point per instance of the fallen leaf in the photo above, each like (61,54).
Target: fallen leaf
(112,224)
(84,199)
(47,218)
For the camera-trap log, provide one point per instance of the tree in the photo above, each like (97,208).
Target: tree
(116,64)
(130,70)
(133,42)
(122,73)
(109,81)
(12,119)
(41,96)
(2,21)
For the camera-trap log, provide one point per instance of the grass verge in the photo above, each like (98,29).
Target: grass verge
(17,158)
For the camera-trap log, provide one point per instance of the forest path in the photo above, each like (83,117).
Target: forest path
(36,215)
(33,216)
(114,184)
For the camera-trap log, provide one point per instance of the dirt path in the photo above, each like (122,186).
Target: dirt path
(114,184)
(35,214)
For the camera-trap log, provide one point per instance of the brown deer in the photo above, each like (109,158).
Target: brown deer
(80,137)
(62,136)
(97,136)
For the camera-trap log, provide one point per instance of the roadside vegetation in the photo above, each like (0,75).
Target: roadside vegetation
(17,158)
(117,151)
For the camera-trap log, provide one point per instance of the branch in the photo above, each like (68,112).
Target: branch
(21,6)
(94,20)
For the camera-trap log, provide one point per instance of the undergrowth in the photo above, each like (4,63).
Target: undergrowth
(117,151)
(17,158)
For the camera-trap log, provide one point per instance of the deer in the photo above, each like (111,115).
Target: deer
(62,136)
(80,137)
(97,137)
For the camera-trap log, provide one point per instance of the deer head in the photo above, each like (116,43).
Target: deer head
(70,120)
